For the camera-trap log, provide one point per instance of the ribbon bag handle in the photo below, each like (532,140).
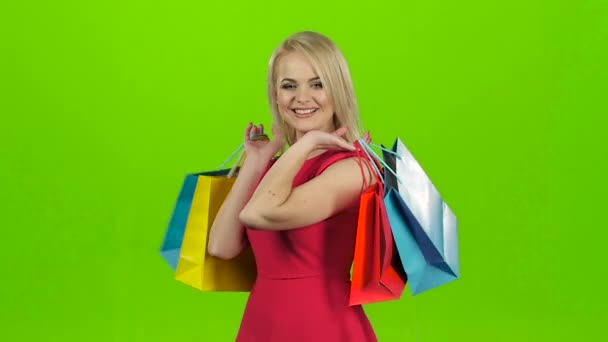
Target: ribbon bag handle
(242,155)
(371,154)
(241,149)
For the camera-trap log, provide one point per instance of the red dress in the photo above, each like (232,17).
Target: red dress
(303,284)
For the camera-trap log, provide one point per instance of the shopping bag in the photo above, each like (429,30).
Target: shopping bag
(174,236)
(196,267)
(423,225)
(374,276)
(185,243)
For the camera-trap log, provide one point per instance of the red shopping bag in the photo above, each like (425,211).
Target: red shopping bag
(375,277)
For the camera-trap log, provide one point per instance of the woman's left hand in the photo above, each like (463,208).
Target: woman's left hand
(328,141)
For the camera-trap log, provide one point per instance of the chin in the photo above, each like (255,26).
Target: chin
(315,122)
(305,128)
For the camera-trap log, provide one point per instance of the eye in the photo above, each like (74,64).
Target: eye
(317,85)
(287,86)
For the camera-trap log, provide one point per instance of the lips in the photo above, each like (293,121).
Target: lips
(304,112)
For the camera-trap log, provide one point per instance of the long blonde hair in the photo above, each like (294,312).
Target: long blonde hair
(333,70)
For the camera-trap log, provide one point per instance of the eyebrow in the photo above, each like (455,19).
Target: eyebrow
(292,80)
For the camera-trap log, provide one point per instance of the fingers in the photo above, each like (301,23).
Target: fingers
(254,132)
(367,137)
(340,134)
(347,146)
(341,131)
(248,131)
(259,133)
(339,145)
(337,142)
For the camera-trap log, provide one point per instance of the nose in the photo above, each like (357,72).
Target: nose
(302,95)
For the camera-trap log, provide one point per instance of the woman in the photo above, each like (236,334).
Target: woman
(299,212)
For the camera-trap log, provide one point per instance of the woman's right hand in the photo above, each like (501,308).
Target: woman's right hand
(262,150)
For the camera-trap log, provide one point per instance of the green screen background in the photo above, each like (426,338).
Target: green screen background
(106,105)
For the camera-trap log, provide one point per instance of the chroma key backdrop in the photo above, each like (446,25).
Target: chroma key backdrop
(105,106)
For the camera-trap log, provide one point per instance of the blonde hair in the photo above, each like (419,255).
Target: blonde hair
(333,70)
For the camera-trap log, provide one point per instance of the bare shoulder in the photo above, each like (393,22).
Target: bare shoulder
(351,170)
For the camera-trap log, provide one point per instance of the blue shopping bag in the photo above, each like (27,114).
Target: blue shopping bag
(427,266)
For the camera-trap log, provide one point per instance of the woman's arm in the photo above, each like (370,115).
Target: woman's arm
(276,205)
(226,238)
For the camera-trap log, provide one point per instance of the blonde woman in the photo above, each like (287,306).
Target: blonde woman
(299,211)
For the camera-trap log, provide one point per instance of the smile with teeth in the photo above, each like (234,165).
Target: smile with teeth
(304,112)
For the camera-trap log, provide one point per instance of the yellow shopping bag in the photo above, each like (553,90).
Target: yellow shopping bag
(196,267)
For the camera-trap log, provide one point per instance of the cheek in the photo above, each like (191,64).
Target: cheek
(282,100)
(323,100)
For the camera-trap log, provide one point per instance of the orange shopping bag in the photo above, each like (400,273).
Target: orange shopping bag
(375,276)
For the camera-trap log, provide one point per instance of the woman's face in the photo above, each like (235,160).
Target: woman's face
(301,97)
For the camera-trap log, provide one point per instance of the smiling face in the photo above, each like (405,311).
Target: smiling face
(301,97)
